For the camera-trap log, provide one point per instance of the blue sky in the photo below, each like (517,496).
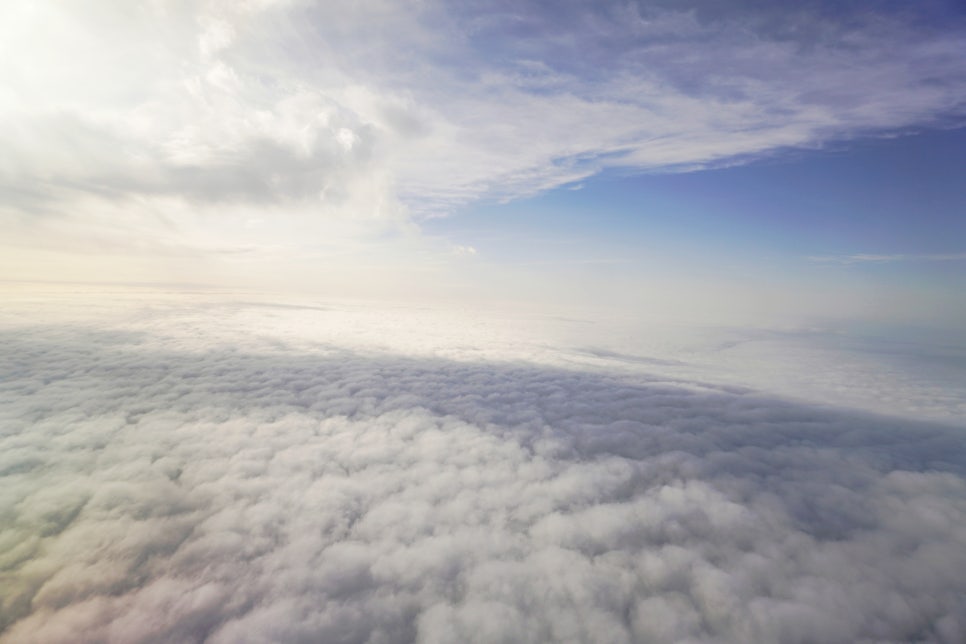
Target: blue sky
(888,196)
(884,215)
(674,150)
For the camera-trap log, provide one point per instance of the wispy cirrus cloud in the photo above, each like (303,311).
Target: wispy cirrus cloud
(869,258)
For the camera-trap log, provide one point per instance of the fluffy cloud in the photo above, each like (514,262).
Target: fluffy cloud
(439,103)
(150,135)
(255,491)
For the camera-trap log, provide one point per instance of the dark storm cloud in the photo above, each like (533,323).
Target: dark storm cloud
(152,493)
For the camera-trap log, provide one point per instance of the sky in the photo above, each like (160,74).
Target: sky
(802,158)
(390,321)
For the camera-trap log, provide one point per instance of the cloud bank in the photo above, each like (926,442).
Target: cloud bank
(156,492)
(380,108)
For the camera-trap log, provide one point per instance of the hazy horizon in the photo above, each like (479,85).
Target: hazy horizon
(432,321)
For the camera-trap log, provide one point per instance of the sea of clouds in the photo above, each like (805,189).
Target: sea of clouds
(200,469)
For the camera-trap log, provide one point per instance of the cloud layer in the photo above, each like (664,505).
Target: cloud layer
(356,106)
(156,492)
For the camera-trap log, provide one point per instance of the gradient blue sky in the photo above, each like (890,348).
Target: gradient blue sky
(883,216)
(804,157)
(899,196)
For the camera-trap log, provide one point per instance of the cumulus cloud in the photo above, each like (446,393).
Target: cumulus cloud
(257,491)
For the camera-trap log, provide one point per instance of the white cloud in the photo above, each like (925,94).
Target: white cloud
(862,258)
(156,130)
(346,138)
(182,476)
(243,101)
(218,34)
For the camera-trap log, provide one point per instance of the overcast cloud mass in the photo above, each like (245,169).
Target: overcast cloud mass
(180,473)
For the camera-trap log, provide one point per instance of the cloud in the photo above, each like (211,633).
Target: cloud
(282,102)
(144,139)
(257,491)
(864,258)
